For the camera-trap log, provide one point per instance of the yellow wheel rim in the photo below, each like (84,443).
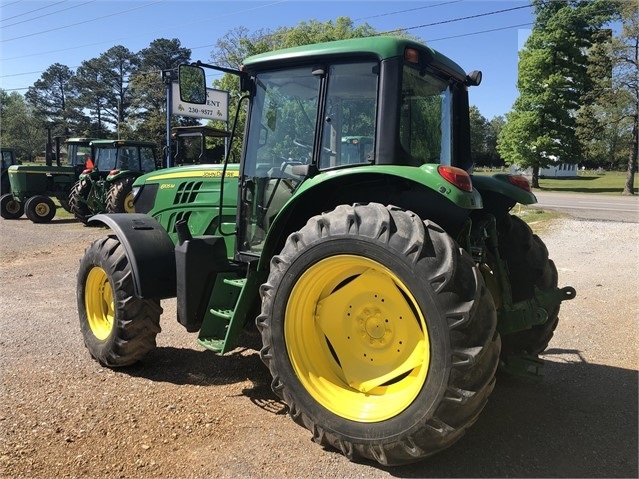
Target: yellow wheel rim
(42,209)
(128,203)
(357,338)
(98,302)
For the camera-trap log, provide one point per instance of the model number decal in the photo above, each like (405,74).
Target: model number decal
(167,186)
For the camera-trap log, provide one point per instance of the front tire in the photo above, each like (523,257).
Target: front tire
(120,196)
(379,334)
(119,329)
(40,209)
(78,198)
(10,209)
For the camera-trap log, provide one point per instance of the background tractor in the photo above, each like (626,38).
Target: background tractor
(105,185)
(387,286)
(198,145)
(34,186)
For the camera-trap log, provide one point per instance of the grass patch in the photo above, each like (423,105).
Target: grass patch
(538,219)
(609,183)
(604,183)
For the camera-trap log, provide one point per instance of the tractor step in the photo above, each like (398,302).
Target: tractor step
(219,325)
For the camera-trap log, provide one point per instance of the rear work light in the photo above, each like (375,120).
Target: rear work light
(520,182)
(456,176)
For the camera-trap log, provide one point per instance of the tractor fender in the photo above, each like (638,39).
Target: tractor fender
(500,184)
(149,249)
(421,190)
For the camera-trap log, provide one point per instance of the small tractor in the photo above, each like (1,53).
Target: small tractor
(105,185)
(33,186)
(388,286)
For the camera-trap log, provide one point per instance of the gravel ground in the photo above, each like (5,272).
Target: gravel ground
(187,413)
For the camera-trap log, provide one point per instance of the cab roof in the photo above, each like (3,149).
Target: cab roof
(381,47)
(116,143)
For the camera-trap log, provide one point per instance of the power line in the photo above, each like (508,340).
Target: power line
(46,14)
(477,33)
(382,33)
(388,14)
(442,22)
(82,22)
(31,11)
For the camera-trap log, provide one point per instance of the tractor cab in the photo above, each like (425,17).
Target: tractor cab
(115,156)
(320,113)
(199,145)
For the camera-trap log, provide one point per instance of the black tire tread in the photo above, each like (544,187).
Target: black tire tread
(137,320)
(77,200)
(529,267)
(117,195)
(470,314)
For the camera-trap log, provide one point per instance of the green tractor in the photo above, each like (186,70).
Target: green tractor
(34,186)
(387,287)
(105,186)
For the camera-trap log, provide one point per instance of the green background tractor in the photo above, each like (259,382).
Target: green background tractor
(34,186)
(388,287)
(105,186)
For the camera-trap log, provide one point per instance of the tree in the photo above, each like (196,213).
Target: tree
(22,129)
(149,91)
(115,67)
(478,136)
(552,81)
(495,125)
(92,98)
(50,96)
(626,79)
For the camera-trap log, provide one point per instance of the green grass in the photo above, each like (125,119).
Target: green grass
(609,183)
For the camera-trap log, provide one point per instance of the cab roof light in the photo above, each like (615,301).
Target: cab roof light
(456,176)
(411,55)
(520,182)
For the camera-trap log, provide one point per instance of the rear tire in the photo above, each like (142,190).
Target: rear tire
(120,196)
(118,328)
(10,209)
(379,334)
(78,200)
(40,209)
(529,267)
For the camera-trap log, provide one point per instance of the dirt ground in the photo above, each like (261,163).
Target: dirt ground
(186,413)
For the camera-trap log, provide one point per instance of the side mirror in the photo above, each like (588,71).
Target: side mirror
(192,82)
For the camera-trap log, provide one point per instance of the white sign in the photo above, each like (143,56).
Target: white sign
(216,107)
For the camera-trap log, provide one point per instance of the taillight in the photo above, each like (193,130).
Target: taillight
(456,176)
(113,172)
(87,171)
(520,182)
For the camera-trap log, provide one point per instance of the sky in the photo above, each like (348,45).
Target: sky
(477,34)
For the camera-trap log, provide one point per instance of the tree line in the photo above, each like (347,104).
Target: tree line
(577,81)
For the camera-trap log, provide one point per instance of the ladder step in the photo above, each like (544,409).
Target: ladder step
(215,345)
(238,283)
(222,313)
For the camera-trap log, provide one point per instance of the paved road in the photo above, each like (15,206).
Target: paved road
(592,207)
